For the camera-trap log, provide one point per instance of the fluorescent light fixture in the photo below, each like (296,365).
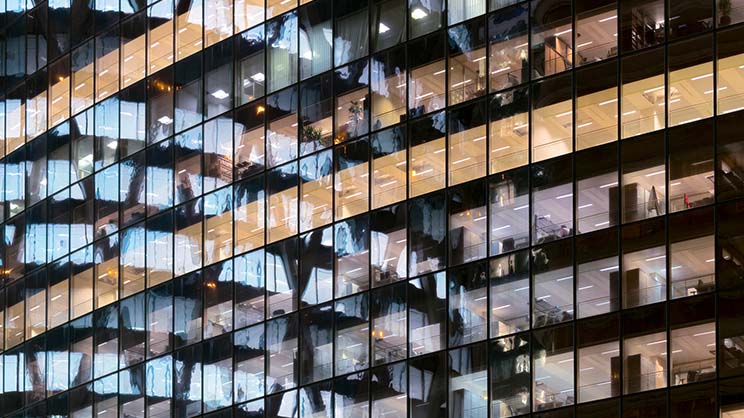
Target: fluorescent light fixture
(653,89)
(563,32)
(165,120)
(418,13)
(607,19)
(655,173)
(700,77)
(658,257)
(220,94)
(258,77)
(383,28)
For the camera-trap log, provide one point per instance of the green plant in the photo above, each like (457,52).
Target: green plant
(313,134)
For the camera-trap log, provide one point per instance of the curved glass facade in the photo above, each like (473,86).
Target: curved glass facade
(372,208)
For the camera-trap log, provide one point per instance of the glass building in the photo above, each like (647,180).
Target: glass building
(372,208)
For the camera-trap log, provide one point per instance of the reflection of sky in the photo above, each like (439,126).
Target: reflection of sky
(158,380)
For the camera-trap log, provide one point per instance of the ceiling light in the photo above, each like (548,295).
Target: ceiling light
(383,28)
(258,77)
(220,94)
(165,120)
(418,13)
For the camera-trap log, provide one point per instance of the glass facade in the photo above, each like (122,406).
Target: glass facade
(372,208)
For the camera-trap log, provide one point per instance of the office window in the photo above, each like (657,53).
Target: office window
(467,142)
(689,17)
(690,95)
(596,105)
(510,294)
(426,155)
(552,285)
(316,343)
(282,127)
(316,183)
(351,87)
(642,101)
(644,263)
(552,200)
(351,40)
(691,175)
(597,196)
(248,349)
(160,35)
(553,362)
(426,234)
(598,280)
(250,75)
(467,60)
(426,314)
(598,364)
(693,341)
(468,305)
(281,277)
(552,118)
(643,178)
(596,31)
(388,241)
(388,81)
(551,48)
(509,130)
(508,56)
(388,23)
(641,24)
(426,74)
(388,326)
(468,387)
(424,17)
(352,333)
(351,240)
(644,350)
(282,60)
(281,347)
(315,47)
(467,222)
(389,166)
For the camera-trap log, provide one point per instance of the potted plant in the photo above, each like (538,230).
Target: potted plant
(724,9)
(313,135)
